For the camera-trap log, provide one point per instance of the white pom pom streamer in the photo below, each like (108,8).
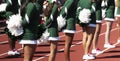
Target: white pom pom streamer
(14,25)
(61,22)
(44,37)
(84,16)
(103,13)
(3,7)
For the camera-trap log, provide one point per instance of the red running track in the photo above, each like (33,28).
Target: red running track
(42,51)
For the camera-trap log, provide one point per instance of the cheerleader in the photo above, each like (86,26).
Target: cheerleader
(95,49)
(86,15)
(11,7)
(117,15)
(30,11)
(66,23)
(50,10)
(108,7)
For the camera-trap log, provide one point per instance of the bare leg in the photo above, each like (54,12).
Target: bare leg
(90,35)
(118,21)
(53,50)
(68,42)
(96,35)
(11,44)
(84,39)
(107,34)
(29,50)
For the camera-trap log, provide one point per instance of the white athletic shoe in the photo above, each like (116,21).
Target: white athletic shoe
(13,52)
(88,57)
(109,46)
(96,51)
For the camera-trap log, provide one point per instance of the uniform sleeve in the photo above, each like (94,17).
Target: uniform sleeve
(12,8)
(111,4)
(52,15)
(66,7)
(28,15)
(6,13)
(110,9)
(98,10)
(9,4)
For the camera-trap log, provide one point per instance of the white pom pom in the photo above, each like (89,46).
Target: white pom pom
(61,22)
(3,7)
(14,25)
(84,16)
(18,31)
(44,37)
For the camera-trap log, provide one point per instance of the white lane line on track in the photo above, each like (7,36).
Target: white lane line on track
(75,45)
(4,42)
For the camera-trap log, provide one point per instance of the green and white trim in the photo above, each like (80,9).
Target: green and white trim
(92,25)
(28,42)
(109,19)
(53,38)
(98,21)
(69,31)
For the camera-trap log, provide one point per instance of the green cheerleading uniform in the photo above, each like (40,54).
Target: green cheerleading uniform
(30,24)
(69,13)
(87,4)
(110,8)
(51,23)
(117,12)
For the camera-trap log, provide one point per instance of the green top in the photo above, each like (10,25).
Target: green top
(69,9)
(98,10)
(53,15)
(88,5)
(31,21)
(12,8)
